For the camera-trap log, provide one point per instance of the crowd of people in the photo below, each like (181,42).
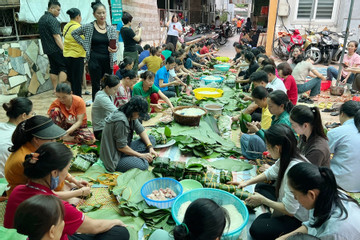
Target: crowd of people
(313,172)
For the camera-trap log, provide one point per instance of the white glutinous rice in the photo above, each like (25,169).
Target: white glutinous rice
(182,210)
(190,112)
(208,92)
(211,78)
(236,219)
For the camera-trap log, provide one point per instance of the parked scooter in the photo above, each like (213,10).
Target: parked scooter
(336,53)
(284,45)
(311,46)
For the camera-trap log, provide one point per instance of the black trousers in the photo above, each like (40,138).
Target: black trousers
(99,64)
(267,227)
(172,39)
(75,72)
(115,233)
(98,134)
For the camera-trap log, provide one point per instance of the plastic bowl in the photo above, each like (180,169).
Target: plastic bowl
(156,184)
(222,67)
(222,59)
(189,184)
(207,81)
(201,93)
(213,108)
(219,196)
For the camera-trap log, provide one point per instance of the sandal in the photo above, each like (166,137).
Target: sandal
(321,105)
(335,113)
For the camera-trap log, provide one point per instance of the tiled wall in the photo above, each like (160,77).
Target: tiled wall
(24,68)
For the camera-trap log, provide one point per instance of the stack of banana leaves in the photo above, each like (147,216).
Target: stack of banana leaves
(176,169)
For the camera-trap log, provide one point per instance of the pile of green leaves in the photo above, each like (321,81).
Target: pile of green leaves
(201,141)
(132,204)
(227,164)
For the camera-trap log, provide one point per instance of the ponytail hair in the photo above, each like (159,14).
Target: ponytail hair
(280,98)
(282,135)
(17,106)
(204,219)
(127,73)
(73,13)
(357,120)
(50,156)
(303,114)
(109,80)
(146,75)
(126,61)
(306,176)
(24,131)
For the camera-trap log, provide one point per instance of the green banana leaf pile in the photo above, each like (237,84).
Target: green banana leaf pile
(201,141)
(227,164)
(132,204)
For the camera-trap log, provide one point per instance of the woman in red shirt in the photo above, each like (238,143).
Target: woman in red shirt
(45,168)
(285,70)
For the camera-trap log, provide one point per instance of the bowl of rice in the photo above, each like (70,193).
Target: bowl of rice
(201,93)
(212,79)
(238,213)
(189,115)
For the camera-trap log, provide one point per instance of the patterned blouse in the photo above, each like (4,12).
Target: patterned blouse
(87,31)
(122,96)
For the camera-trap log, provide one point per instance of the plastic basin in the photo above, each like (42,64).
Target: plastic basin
(222,59)
(222,67)
(219,196)
(201,93)
(189,184)
(211,79)
(156,184)
(325,85)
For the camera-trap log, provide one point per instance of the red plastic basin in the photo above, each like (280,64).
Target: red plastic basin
(325,85)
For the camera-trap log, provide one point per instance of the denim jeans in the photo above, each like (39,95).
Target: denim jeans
(333,73)
(252,143)
(313,85)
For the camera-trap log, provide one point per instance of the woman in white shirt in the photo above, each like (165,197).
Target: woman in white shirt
(288,214)
(17,110)
(175,29)
(333,214)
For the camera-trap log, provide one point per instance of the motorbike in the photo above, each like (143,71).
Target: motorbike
(326,46)
(336,53)
(311,46)
(286,42)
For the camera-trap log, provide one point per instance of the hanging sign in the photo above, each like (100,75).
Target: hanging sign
(116,11)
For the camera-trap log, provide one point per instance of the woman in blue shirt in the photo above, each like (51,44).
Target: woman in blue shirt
(162,79)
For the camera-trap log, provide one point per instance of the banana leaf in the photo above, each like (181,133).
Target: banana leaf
(222,177)
(242,194)
(225,187)
(134,224)
(93,172)
(90,208)
(162,162)
(231,165)
(129,184)
(197,177)
(209,177)
(11,234)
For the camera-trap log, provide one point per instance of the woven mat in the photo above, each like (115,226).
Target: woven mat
(101,196)
(2,212)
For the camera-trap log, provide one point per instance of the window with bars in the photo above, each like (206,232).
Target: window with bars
(315,9)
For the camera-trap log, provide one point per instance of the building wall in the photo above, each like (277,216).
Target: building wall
(337,24)
(145,11)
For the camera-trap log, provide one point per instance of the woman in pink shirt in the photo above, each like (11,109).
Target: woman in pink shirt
(351,59)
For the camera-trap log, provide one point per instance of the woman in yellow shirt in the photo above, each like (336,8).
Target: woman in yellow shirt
(251,142)
(74,53)
(153,62)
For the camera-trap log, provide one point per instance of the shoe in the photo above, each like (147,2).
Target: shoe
(330,110)
(353,91)
(333,125)
(87,93)
(335,113)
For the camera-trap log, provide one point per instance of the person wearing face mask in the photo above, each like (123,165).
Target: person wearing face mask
(18,109)
(50,35)
(28,136)
(162,79)
(147,89)
(99,54)
(104,103)
(287,213)
(68,111)
(333,214)
(45,169)
(74,54)
(40,217)
(351,59)
(118,151)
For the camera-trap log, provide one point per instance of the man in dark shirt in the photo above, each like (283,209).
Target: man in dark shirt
(49,29)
